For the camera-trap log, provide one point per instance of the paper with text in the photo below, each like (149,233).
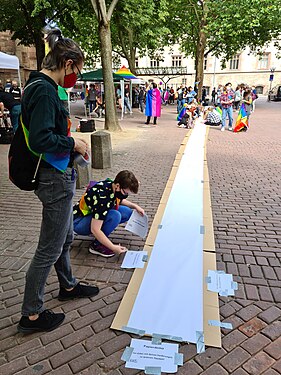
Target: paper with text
(134,259)
(138,224)
(146,354)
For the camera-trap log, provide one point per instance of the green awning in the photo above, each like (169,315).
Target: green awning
(96,76)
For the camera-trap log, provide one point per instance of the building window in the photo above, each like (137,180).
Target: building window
(176,61)
(205,63)
(154,63)
(184,81)
(263,61)
(234,62)
(259,89)
(136,62)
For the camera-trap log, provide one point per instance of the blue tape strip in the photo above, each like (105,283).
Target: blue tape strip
(217,323)
(178,359)
(234,285)
(202,229)
(166,337)
(145,258)
(200,345)
(208,279)
(127,354)
(149,370)
(160,226)
(135,331)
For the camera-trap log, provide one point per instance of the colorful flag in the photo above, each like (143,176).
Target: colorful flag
(242,122)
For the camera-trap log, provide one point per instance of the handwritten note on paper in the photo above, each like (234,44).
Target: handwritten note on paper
(138,224)
(134,259)
(145,354)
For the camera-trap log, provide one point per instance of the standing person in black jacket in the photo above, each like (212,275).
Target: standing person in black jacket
(44,115)
(15,91)
(13,106)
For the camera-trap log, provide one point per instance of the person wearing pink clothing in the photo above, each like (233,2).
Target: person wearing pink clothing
(153,104)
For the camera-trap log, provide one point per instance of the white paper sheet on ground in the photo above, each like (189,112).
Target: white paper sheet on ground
(145,354)
(138,224)
(170,299)
(134,259)
(221,282)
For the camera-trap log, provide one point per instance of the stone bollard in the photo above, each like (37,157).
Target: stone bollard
(101,150)
(83,175)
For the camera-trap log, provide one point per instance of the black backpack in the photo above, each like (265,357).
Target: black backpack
(23,163)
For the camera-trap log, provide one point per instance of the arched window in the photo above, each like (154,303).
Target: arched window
(259,89)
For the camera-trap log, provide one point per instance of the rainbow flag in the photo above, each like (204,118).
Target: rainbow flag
(125,73)
(182,113)
(218,109)
(242,122)
(59,161)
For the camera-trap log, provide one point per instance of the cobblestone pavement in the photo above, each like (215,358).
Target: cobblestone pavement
(245,181)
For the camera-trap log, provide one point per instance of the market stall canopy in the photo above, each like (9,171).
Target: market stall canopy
(96,76)
(125,73)
(9,61)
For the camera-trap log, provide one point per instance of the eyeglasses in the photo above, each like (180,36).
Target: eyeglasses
(79,72)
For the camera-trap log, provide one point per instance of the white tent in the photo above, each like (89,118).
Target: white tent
(10,62)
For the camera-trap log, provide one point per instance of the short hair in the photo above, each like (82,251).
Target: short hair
(61,50)
(127,180)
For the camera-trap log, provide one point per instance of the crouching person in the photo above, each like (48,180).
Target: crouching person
(102,208)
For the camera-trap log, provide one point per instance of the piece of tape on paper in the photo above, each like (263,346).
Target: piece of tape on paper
(217,323)
(127,354)
(158,337)
(178,359)
(202,229)
(149,370)
(145,258)
(135,331)
(200,345)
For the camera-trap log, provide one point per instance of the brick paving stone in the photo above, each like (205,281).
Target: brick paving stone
(115,344)
(270,372)
(251,327)
(271,314)
(62,331)
(38,369)
(215,369)
(67,355)
(76,337)
(276,366)
(248,312)
(64,370)
(189,367)
(234,359)
(276,294)
(44,352)
(188,350)
(239,371)
(255,343)
(273,331)
(85,360)
(233,339)
(210,356)
(274,349)
(13,367)
(258,364)
(265,293)
(112,361)
(128,371)
(23,349)
(103,324)
(99,338)
(252,292)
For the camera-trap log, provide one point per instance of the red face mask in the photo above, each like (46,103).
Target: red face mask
(69,80)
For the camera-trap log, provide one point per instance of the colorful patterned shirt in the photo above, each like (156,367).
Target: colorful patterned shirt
(96,201)
(225,97)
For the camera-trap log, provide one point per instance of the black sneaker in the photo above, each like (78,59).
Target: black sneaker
(47,321)
(99,249)
(79,291)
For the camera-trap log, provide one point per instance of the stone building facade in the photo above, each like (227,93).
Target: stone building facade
(26,56)
(246,67)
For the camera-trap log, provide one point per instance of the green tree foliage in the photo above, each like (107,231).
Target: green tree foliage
(26,19)
(222,27)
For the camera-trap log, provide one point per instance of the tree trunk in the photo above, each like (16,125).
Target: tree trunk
(40,50)
(111,121)
(199,59)
(132,60)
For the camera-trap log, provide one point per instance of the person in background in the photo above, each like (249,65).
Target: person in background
(153,104)
(92,97)
(14,107)
(237,98)
(47,121)
(214,95)
(8,85)
(127,104)
(226,101)
(254,98)
(141,98)
(15,91)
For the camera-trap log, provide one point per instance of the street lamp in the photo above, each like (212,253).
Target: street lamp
(271,77)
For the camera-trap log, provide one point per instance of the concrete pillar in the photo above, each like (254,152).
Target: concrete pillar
(83,175)
(101,150)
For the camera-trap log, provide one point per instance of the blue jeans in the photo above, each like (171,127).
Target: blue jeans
(127,104)
(82,225)
(229,113)
(55,191)
(15,112)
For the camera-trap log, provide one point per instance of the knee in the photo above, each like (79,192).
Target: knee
(115,216)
